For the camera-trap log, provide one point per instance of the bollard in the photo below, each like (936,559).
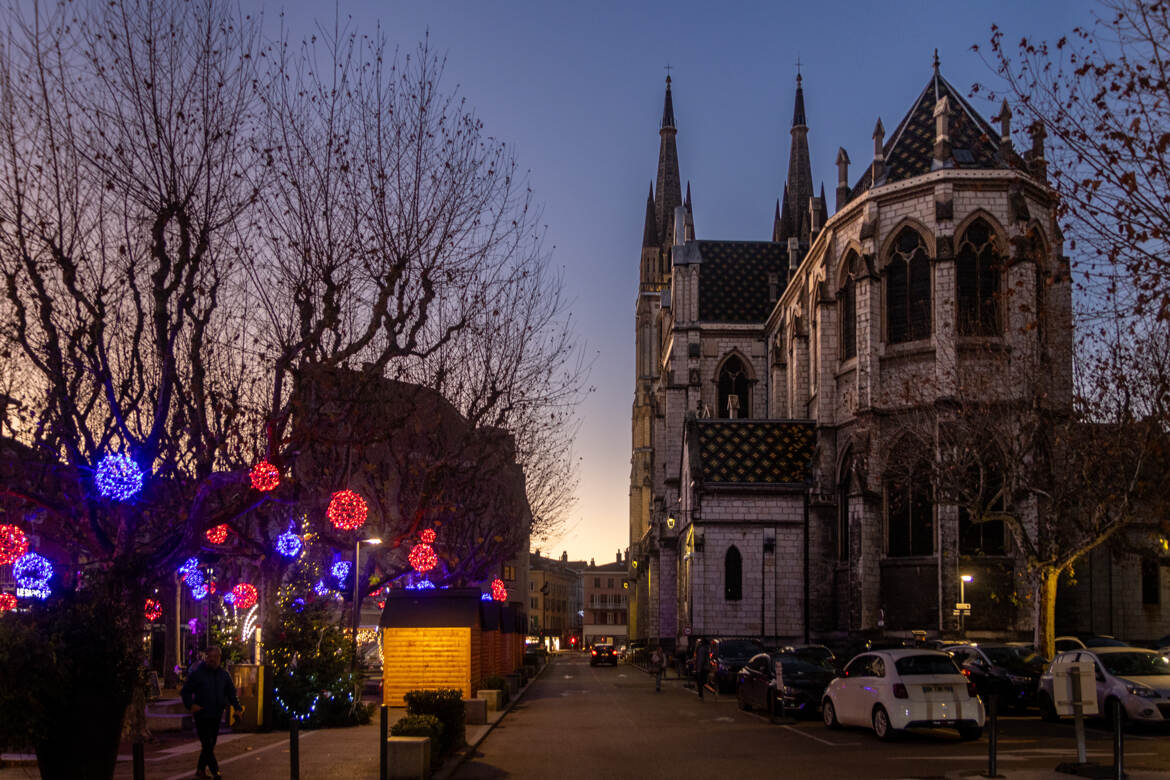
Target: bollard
(1118,743)
(383,770)
(294,750)
(139,761)
(993,735)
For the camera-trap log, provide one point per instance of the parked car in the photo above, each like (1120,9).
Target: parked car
(1133,678)
(814,654)
(727,657)
(771,678)
(892,690)
(1101,640)
(1010,672)
(1064,643)
(603,654)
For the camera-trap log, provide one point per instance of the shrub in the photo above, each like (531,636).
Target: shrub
(495,683)
(446,704)
(420,726)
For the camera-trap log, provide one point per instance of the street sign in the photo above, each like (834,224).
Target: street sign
(961,605)
(687,630)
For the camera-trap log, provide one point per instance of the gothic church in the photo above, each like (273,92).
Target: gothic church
(771,377)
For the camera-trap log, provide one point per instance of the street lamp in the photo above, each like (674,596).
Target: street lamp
(963,580)
(357,570)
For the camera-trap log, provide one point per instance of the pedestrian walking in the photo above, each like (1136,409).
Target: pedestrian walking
(207,693)
(702,665)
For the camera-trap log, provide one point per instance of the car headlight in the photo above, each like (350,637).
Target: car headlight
(1142,690)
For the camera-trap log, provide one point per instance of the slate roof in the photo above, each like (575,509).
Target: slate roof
(909,151)
(733,279)
(775,452)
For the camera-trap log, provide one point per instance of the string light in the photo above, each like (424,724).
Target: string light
(347,510)
(264,476)
(218,534)
(427,536)
(7,602)
(152,610)
(321,589)
(194,579)
(421,585)
(485,597)
(422,556)
(499,590)
(229,598)
(341,569)
(246,595)
(118,477)
(199,592)
(13,544)
(189,565)
(32,574)
(289,544)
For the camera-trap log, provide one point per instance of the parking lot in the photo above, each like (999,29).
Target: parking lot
(583,721)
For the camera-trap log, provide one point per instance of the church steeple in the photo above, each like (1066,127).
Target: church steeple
(649,232)
(799,186)
(668,186)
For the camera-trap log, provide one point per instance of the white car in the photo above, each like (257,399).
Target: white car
(891,690)
(1136,678)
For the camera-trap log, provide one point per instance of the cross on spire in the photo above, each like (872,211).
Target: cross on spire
(798,69)
(669,68)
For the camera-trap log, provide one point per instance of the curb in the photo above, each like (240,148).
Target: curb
(450,767)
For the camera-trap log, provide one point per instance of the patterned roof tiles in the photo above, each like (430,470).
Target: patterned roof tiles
(746,452)
(910,150)
(733,279)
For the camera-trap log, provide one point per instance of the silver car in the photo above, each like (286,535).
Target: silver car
(1136,679)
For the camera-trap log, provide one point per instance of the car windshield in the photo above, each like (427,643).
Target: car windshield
(1012,657)
(912,665)
(795,667)
(1135,664)
(738,648)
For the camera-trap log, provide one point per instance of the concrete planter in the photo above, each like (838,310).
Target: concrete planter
(515,683)
(475,711)
(409,757)
(493,697)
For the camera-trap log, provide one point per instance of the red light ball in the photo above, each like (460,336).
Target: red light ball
(347,510)
(499,590)
(152,610)
(7,602)
(218,534)
(246,595)
(423,558)
(13,544)
(427,536)
(264,476)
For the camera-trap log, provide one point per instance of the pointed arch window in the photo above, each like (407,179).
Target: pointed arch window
(847,308)
(733,575)
(843,510)
(909,513)
(733,389)
(1039,258)
(908,289)
(978,265)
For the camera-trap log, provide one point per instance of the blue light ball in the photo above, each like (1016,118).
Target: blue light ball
(289,544)
(118,477)
(199,592)
(341,569)
(194,579)
(32,571)
(189,565)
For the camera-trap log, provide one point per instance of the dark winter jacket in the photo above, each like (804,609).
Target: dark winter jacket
(211,689)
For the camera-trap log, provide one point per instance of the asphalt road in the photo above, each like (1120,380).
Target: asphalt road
(577,721)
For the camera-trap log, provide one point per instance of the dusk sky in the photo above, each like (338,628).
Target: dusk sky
(577,88)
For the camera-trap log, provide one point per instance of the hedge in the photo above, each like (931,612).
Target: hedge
(446,704)
(420,726)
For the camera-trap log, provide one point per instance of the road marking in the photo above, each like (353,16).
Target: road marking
(279,743)
(568,677)
(724,719)
(818,739)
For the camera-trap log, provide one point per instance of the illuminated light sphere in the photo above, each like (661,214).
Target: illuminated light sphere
(194,579)
(298,604)
(118,477)
(13,544)
(499,590)
(485,597)
(7,602)
(218,534)
(229,598)
(189,565)
(289,544)
(32,571)
(423,558)
(246,595)
(341,569)
(321,588)
(193,625)
(264,476)
(152,610)
(199,592)
(427,536)
(347,510)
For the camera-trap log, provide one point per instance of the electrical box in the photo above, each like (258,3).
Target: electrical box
(1063,689)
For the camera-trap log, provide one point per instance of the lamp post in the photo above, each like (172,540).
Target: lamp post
(963,580)
(357,570)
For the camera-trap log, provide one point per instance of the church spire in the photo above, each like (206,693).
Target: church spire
(649,233)
(668,186)
(798,186)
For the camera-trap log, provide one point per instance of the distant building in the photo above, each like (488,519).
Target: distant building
(552,588)
(606,603)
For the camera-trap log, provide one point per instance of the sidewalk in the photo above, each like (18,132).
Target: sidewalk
(325,754)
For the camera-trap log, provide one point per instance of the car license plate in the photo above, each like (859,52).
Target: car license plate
(935,688)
